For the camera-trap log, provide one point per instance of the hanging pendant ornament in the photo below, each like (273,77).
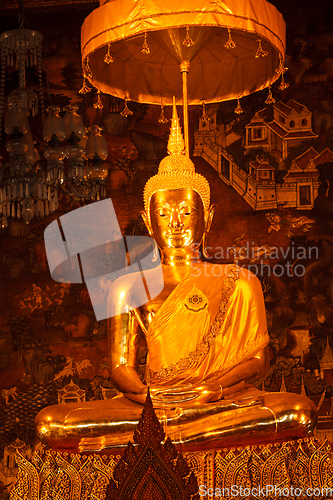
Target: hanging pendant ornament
(239,109)
(98,104)
(162,118)
(260,51)
(87,70)
(188,40)
(86,74)
(108,57)
(126,111)
(283,85)
(230,44)
(270,99)
(145,46)
(84,89)
(280,71)
(204,118)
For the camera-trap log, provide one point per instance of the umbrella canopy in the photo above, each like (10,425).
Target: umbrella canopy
(135,48)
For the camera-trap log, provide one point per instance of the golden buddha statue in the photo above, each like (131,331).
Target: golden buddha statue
(206,335)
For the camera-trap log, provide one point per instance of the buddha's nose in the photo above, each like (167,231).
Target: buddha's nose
(175,220)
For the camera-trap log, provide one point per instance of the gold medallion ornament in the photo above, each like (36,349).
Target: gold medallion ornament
(176,171)
(196,300)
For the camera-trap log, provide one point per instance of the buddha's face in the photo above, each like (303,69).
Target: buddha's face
(177,219)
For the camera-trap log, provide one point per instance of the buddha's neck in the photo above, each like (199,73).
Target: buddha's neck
(180,258)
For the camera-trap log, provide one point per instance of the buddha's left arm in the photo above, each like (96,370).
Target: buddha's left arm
(247,372)
(236,379)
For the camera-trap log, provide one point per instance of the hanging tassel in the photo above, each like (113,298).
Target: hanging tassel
(13,210)
(145,46)
(87,70)
(204,118)
(162,118)
(230,44)
(270,99)
(18,211)
(260,51)
(188,40)
(84,89)
(86,74)
(98,104)
(239,109)
(126,111)
(283,85)
(280,71)
(108,57)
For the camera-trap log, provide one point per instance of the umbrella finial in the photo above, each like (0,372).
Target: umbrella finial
(176,141)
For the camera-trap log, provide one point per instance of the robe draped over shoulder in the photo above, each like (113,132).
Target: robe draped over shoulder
(192,338)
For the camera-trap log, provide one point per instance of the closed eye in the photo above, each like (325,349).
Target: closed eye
(162,212)
(188,210)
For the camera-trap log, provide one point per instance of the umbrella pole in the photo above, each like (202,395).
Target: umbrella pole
(184,69)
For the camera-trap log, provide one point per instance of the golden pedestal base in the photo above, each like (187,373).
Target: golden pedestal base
(155,470)
(296,465)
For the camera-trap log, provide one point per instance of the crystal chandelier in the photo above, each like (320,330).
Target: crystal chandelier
(72,160)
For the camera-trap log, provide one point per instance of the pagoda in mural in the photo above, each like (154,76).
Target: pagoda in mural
(224,150)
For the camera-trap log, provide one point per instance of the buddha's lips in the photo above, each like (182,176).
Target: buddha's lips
(173,236)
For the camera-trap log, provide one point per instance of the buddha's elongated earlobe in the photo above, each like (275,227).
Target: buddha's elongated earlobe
(156,253)
(209,218)
(207,228)
(146,220)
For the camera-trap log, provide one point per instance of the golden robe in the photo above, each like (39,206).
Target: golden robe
(212,321)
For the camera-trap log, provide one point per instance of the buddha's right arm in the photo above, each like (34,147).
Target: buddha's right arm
(123,338)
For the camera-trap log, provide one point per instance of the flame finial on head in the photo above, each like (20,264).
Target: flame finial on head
(176,171)
(176,141)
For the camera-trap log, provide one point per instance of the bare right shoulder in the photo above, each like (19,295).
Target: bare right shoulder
(126,293)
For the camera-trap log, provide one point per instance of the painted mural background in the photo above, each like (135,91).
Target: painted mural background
(53,350)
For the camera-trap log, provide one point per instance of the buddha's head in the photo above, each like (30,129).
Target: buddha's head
(177,200)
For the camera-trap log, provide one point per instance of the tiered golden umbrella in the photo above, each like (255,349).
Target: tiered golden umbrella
(197,50)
